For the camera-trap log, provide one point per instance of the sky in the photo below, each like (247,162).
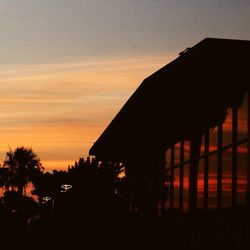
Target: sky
(68,66)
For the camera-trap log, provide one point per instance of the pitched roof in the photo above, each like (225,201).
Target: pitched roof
(190,93)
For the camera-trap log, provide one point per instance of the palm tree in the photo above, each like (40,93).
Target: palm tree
(21,166)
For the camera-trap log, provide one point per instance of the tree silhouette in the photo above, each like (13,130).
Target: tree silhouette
(21,166)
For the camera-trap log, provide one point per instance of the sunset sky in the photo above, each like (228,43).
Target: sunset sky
(68,66)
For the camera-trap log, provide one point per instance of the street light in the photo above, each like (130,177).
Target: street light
(65,187)
(46,199)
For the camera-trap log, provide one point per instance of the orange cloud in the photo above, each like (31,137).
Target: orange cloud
(61,108)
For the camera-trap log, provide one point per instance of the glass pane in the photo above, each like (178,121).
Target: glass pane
(177,153)
(176,187)
(242,119)
(168,158)
(200,185)
(242,174)
(213,134)
(227,129)
(227,178)
(186,150)
(212,181)
(185,187)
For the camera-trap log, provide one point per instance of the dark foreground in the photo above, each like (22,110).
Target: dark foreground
(116,229)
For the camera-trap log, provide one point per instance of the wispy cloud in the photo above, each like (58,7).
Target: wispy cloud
(61,108)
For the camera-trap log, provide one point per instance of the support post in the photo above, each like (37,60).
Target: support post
(206,169)
(248,150)
(234,155)
(219,167)
(195,146)
(181,175)
(171,194)
(163,176)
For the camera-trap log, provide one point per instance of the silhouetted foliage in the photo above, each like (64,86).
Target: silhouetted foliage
(13,202)
(21,166)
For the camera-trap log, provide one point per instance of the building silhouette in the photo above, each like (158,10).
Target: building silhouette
(180,104)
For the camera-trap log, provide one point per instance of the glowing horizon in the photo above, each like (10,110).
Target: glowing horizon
(59,109)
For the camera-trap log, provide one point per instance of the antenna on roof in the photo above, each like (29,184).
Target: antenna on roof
(184,51)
